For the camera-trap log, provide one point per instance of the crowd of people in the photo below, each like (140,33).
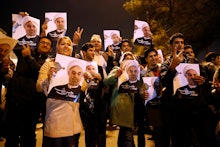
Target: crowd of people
(187,117)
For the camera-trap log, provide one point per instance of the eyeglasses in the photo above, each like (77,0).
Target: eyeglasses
(46,43)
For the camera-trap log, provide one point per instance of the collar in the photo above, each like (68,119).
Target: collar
(60,31)
(70,86)
(131,82)
(192,86)
(29,37)
(147,38)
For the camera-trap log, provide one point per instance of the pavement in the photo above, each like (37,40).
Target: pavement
(111,140)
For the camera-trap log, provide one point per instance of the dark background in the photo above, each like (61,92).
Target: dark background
(92,15)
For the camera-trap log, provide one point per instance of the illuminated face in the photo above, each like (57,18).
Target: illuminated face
(4,50)
(65,47)
(30,29)
(44,46)
(132,72)
(189,53)
(126,47)
(89,54)
(190,75)
(115,38)
(97,44)
(60,23)
(152,59)
(178,43)
(147,32)
(75,75)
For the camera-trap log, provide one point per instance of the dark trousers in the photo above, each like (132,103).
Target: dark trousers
(21,121)
(192,130)
(125,137)
(140,115)
(71,141)
(95,129)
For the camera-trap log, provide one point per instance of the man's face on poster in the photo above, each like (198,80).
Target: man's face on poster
(115,38)
(147,32)
(75,75)
(30,29)
(90,68)
(60,23)
(190,75)
(132,73)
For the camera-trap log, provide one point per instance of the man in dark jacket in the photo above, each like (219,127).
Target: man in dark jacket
(22,103)
(92,106)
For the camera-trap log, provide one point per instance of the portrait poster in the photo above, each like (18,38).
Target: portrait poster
(180,79)
(138,24)
(18,21)
(63,63)
(108,37)
(92,66)
(125,66)
(50,18)
(139,42)
(151,86)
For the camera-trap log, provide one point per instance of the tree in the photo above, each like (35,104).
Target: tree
(198,20)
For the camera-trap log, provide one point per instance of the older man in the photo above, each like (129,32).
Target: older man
(31,37)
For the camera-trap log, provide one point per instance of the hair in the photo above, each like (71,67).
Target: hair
(86,46)
(187,46)
(146,53)
(210,56)
(128,54)
(125,54)
(46,38)
(64,37)
(174,36)
(123,41)
(97,37)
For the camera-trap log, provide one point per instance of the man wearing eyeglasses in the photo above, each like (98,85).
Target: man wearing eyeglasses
(23,102)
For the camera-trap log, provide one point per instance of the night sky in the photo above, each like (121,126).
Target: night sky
(92,15)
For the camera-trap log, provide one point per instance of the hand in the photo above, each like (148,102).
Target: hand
(96,75)
(216,84)
(146,95)
(88,76)
(177,59)
(9,75)
(5,65)
(77,35)
(199,80)
(141,67)
(23,14)
(51,71)
(118,73)
(44,26)
(110,51)
(26,51)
